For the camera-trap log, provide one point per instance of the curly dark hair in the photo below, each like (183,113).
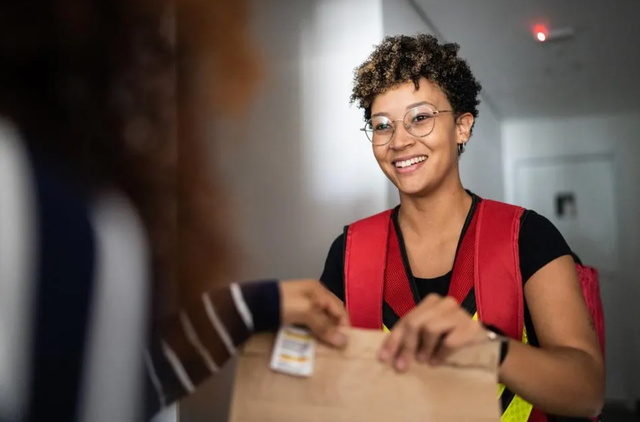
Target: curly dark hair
(403,58)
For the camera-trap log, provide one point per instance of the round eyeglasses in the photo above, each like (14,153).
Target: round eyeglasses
(418,121)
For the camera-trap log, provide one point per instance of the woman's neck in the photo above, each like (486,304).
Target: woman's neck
(437,212)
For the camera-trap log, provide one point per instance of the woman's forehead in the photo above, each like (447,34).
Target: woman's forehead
(402,96)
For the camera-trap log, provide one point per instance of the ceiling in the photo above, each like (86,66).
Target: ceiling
(596,72)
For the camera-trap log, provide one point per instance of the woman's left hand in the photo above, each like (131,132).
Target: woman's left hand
(435,328)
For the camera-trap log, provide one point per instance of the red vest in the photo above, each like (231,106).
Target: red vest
(486,278)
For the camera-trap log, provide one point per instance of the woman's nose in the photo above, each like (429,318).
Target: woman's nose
(401,137)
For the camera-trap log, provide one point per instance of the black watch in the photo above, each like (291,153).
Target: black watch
(504,342)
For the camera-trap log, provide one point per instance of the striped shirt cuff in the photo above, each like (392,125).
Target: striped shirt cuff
(263,300)
(190,347)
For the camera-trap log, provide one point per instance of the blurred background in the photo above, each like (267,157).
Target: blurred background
(557,133)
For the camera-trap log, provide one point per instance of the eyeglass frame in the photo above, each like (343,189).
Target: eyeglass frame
(436,113)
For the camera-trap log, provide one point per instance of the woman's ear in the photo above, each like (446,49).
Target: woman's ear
(464,124)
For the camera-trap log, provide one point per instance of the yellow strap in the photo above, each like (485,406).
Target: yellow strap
(517,411)
(501,388)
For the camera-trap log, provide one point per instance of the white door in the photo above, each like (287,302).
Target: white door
(575,194)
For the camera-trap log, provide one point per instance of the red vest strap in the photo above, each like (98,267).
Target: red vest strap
(590,283)
(397,289)
(364,267)
(488,258)
(462,278)
(498,281)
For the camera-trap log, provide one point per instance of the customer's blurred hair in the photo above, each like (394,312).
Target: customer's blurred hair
(108,89)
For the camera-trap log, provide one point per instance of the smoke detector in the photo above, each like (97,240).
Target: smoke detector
(544,35)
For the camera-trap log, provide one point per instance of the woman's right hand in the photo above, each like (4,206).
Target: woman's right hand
(309,303)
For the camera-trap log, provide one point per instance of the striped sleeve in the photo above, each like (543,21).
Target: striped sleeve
(190,347)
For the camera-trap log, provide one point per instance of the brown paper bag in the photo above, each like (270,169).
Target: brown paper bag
(352,386)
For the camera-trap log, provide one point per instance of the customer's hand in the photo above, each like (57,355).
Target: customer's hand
(309,303)
(435,328)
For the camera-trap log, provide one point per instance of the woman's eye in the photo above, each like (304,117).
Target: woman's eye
(382,126)
(421,118)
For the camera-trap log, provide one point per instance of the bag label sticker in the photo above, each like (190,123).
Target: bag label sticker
(294,352)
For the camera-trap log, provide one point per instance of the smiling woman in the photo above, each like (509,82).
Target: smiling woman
(420,104)
(425,118)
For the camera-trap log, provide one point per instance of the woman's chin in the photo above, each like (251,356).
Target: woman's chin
(414,189)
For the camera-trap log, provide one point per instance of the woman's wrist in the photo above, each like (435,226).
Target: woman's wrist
(504,349)
(498,335)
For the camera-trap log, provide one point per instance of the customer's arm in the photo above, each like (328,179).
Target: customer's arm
(189,348)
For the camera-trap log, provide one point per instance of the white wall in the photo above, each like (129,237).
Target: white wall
(296,165)
(617,136)
(481,164)
(305,169)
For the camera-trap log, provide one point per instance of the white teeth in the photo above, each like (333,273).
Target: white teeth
(407,163)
